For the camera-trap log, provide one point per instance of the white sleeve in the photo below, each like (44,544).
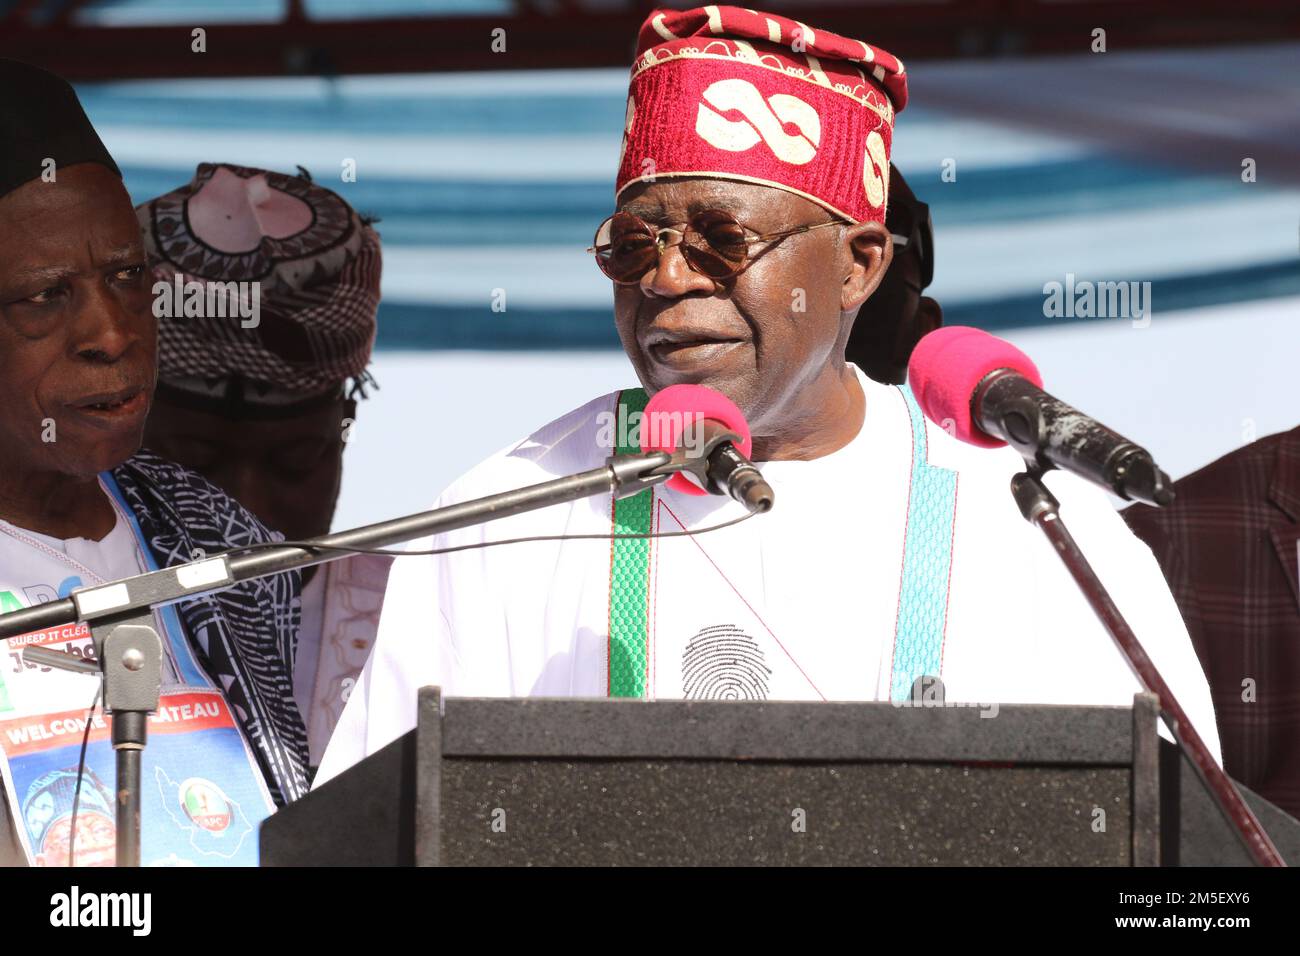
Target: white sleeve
(413,649)
(1135,582)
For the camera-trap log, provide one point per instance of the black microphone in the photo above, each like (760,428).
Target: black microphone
(727,472)
(985,391)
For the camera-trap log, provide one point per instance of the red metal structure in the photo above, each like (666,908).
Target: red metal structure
(563,33)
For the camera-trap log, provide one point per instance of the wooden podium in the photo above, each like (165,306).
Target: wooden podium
(548,781)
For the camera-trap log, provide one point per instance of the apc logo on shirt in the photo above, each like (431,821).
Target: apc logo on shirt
(789,127)
(724,663)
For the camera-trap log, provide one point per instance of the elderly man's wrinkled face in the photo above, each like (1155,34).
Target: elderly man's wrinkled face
(77,332)
(759,337)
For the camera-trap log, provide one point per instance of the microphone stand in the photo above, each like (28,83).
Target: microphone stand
(1040,507)
(128,650)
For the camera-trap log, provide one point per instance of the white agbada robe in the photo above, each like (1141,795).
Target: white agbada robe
(802,603)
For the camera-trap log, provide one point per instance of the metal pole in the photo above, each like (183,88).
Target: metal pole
(129,731)
(1040,507)
(629,474)
(625,474)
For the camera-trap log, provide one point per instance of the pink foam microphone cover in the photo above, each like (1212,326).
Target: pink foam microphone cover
(677,407)
(946,367)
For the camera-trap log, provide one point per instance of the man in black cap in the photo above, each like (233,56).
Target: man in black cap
(899,314)
(80,505)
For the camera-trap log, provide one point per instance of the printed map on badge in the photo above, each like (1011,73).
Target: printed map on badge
(216,824)
(201,799)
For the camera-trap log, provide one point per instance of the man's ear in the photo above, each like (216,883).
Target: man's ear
(929,316)
(870,250)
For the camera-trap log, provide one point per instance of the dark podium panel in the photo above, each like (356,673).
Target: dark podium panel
(545,781)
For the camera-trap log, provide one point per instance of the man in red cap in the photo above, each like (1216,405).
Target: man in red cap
(748,232)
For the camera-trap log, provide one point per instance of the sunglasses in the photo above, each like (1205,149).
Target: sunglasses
(913,230)
(713,243)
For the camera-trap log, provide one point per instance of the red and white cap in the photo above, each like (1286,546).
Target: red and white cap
(741,94)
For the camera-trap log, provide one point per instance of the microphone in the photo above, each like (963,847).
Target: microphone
(985,391)
(706,433)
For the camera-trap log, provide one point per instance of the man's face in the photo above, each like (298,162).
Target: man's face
(77,332)
(757,337)
(286,471)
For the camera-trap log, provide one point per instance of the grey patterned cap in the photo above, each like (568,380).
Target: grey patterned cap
(315,272)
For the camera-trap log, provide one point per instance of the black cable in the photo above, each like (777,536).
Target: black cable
(310,546)
(81,772)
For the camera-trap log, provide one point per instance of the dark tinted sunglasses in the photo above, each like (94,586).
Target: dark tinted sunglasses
(912,230)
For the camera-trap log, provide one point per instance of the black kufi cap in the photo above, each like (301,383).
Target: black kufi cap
(42,119)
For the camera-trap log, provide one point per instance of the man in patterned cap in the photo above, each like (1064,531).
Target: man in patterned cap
(748,232)
(80,506)
(262,406)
